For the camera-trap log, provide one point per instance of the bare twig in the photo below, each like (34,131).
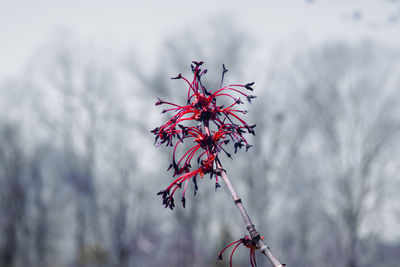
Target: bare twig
(255,235)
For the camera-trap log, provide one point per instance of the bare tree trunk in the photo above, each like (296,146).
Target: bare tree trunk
(41,231)
(14,202)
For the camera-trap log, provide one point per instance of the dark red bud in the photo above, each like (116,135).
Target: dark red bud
(155,130)
(248,146)
(198,63)
(159,102)
(217,186)
(238,101)
(224,70)
(249,86)
(177,77)
(183,202)
(250,97)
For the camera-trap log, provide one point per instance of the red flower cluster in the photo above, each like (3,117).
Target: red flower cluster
(215,126)
(247,242)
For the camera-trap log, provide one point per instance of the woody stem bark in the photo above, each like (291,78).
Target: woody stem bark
(255,235)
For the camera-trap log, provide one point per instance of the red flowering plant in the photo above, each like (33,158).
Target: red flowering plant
(247,242)
(210,127)
(202,109)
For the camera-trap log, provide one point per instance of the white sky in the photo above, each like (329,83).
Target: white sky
(142,25)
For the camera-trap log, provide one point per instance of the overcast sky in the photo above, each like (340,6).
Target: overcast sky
(142,25)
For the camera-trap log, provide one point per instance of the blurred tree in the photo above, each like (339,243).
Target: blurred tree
(75,108)
(350,96)
(13,196)
(41,223)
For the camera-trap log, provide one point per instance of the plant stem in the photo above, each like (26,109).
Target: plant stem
(255,235)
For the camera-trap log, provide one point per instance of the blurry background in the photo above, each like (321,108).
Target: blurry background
(79,172)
